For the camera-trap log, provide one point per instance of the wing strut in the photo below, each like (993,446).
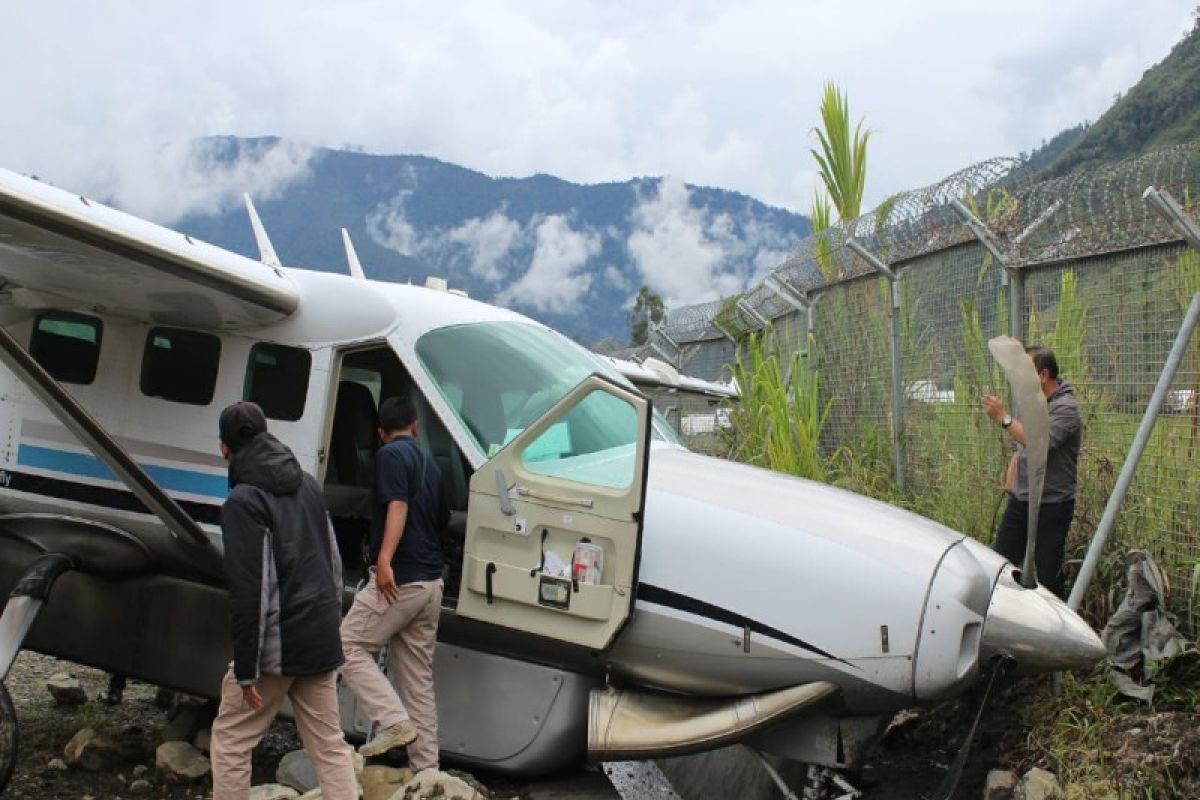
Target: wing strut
(265,248)
(88,431)
(356,269)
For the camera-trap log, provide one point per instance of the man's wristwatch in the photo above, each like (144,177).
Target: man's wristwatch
(1004,423)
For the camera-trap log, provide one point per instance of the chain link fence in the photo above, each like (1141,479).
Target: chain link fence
(1106,284)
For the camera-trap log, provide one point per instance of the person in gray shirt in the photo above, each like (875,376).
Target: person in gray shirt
(1062,465)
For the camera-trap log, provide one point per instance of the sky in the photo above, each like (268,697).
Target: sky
(102,97)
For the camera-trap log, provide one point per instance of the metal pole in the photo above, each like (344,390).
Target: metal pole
(746,309)
(723,330)
(1016,280)
(1166,205)
(1016,304)
(660,329)
(1125,478)
(805,308)
(666,356)
(894,337)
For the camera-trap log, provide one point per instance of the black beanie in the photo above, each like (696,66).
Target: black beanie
(240,423)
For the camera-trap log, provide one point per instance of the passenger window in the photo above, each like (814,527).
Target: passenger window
(595,443)
(277,379)
(67,346)
(180,366)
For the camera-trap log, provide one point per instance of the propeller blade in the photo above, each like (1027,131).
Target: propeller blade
(1029,407)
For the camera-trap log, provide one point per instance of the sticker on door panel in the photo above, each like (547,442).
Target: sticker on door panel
(554,592)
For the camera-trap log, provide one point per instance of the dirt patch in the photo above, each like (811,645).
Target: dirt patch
(1153,746)
(913,757)
(1097,743)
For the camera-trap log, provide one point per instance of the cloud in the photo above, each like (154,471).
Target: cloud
(557,276)
(495,247)
(488,242)
(388,226)
(586,91)
(484,246)
(689,255)
(671,246)
(617,279)
(201,177)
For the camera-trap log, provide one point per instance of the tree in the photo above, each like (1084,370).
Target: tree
(842,167)
(647,309)
(842,160)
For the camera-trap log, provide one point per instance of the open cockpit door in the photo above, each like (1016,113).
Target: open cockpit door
(554,519)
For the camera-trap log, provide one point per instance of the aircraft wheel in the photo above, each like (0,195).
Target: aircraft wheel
(8,737)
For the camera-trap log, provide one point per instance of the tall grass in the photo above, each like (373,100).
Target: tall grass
(958,455)
(794,419)
(778,421)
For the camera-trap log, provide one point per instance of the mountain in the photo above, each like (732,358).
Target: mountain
(570,255)
(1162,109)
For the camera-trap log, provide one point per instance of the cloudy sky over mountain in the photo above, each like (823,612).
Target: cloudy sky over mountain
(712,93)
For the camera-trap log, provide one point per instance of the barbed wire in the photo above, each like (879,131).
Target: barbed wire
(1083,214)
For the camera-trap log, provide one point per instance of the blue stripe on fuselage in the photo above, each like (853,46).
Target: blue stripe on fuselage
(88,466)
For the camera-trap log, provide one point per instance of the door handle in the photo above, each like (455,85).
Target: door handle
(533,494)
(506,506)
(487,581)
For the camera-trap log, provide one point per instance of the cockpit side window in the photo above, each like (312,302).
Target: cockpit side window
(67,345)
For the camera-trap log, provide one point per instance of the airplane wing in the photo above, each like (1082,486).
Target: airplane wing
(659,374)
(60,250)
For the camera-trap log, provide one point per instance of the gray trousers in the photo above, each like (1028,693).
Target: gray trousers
(409,627)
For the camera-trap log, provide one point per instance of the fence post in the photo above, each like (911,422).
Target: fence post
(657,328)
(804,306)
(1125,478)
(1016,279)
(1162,202)
(1165,205)
(749,311)
(894,337)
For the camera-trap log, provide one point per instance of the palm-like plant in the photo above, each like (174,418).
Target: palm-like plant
(822,218)
(842,159)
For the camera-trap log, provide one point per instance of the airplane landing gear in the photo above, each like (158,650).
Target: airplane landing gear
(8,737)
(22,608)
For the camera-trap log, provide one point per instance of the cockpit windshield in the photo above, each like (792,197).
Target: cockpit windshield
(498,377)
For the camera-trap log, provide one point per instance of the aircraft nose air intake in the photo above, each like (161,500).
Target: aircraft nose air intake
(1037,630)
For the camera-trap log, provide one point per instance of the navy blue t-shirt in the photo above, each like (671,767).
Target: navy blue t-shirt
(404,472)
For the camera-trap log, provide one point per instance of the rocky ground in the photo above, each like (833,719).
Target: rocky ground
(1140,751)
(1139,746)
(137,726)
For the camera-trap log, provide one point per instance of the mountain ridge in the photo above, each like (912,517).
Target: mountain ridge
(1161,109)
(571,255)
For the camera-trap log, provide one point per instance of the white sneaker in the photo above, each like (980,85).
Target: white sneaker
(398,735)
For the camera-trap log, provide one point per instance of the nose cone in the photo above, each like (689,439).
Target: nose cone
(1037,630)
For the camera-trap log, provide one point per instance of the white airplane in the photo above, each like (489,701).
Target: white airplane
(612,595)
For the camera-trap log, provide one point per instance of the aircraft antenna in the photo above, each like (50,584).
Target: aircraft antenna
(356,269)
(266,251)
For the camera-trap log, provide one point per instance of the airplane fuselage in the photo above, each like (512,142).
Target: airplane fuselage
(746,581)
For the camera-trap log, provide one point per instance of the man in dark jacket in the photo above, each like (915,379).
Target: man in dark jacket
(285,586)
(1058,491)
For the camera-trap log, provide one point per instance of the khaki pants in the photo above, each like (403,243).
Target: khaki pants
(409,627)
(238,729)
